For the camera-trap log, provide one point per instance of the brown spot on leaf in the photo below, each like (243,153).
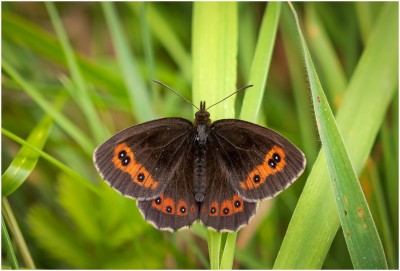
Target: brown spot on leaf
(360,213)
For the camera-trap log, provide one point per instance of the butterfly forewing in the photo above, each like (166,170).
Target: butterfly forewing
(140,161)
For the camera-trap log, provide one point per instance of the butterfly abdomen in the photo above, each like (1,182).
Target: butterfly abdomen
(200,170)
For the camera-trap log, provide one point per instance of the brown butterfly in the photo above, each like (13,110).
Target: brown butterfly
(181,171)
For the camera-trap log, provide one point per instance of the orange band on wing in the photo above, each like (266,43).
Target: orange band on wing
(124,159)
(273,163)
(226,208)
(167,206)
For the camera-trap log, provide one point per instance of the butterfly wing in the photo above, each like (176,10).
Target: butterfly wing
(258,162)
(140,161)
(222,208)
(175,208)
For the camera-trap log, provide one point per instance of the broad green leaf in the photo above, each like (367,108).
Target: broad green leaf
(315,220)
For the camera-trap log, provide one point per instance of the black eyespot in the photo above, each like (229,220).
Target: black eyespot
(272,163)
(226,210)
(140,177)
(169,209)
(237,204)
(256,178)
(158,201)
(125,161)
(183,210)
(276,157)
(213,210)
(121,154)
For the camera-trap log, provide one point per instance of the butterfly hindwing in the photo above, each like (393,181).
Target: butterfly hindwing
(140,161)
(175,208)
(222,208)
(259,162)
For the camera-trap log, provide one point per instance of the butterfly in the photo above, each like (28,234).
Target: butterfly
(181,171)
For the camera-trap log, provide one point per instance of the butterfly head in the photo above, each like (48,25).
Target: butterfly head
(202,116)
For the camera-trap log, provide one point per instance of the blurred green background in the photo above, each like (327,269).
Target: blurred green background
(67,223)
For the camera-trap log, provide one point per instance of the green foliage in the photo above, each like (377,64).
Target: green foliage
(100,60)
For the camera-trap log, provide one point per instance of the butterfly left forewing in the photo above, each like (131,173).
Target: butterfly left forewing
(139,161)
(260,163)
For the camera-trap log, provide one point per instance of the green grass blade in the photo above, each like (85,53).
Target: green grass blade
(162,31)
(358,226)
(331,71)
(315,220)
(8,246)
(307,128)
(215,56)
(148,48)
(214,248)
(80,95)
(26,34)
(17,234)
(137,90)
(25,160)
(54,161)
(214,76)
(261,63)
(229,251)
(57,116)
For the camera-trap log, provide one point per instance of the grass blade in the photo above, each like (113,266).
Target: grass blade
(54,161)
(137,91)
(8,246)
(214,56)
(17,234)
(25,160)
(59,118)
(165,34)
(80,94)
(261,63)
(214,77)
(315,220)
(359,228)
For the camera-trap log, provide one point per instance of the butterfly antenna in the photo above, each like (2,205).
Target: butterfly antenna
(240,89)
(164,85)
